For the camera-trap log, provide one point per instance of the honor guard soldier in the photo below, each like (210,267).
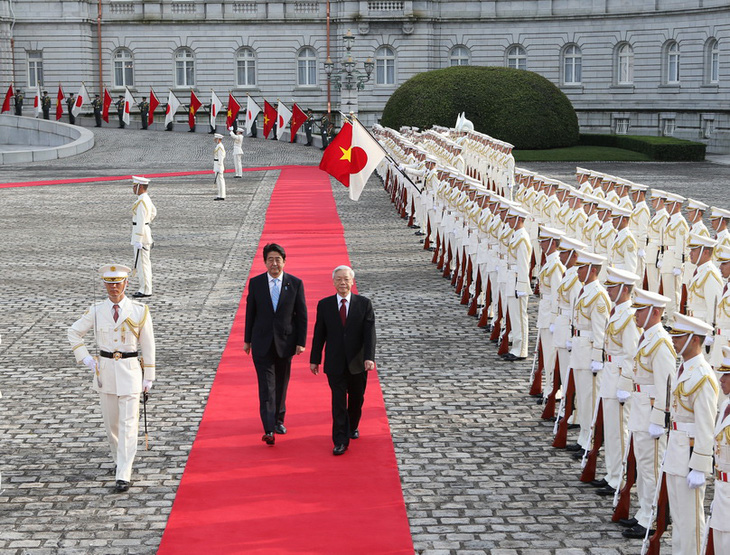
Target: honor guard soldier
(96,105)
(719,218)
(590,317)
(655,365)
(18,97)
(695,212)
(237,137)
(639,225)
(124,367)
(219,158)
(675,246)
(721,315)
(308,124)
(705,289)
(143,213)
(120,110)
(688,460)
(606,234)
(719,523)
(518,282)
(46,105)
(621,341)
(655,240)
(144,111)
(70,101)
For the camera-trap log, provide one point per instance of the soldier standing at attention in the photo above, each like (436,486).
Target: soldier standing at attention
(18,102)
(144,212)
(96,104)
(144,110)
(120,110)
(70,101)
(46,105)
(237,136)
(219,158)
(324,123)
(719,522)
(124,368)
(308,124)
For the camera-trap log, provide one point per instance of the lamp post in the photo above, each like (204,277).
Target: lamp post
(348,79)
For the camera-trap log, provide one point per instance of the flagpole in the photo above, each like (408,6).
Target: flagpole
(329,83)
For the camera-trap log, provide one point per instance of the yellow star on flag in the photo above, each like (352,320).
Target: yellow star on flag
(266,119)
(346,154)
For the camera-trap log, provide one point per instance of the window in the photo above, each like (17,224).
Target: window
(246,67)
(625,64)
(459,56)
(572,65)
(35,69)
(184,68)
(668,126)
(708,128)
(672,61)
(385,66)
(123,68)
(622,126)
(712,62)
(516,57)
(307,66)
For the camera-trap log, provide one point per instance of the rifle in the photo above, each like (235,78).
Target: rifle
(484,316)
(504,342)
(708,541)
(498,321)
(437,242)
(427,238)
(477,292)
(622,497)
(566,407)
(549,410)
(466,284)
(596,438)
(458,272)
(537,367)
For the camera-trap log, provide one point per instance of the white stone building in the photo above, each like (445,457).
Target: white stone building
(642,66)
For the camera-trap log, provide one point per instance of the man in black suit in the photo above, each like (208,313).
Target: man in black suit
(345,327)
(276,329)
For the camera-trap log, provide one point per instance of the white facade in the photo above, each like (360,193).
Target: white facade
(641,67)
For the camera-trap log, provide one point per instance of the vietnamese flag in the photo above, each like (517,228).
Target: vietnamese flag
(297,120)
(269,118)
(6,102)
(195,105)
(352,156)
(233,108)
(154,103)
(59,103)
(106,105)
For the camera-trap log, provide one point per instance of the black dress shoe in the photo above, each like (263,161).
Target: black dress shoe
(355,434)
(573,426)
(637,532)
(628,522)
(280,429)
(121,486)
(602,483)
(269,438)
(140,295)
(574,447)
(339,450)
(219,198)
(608,490)
(578,454)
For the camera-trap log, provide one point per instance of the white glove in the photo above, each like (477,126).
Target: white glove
(569,344)
(622,395)
(91,363)
(596,366)
(552,328)
(230,128)
(659,263)
(709,340)
(147,385)
(138,245)
(677,271)
(641,253)
(695,479)
(520,294)
(656,431)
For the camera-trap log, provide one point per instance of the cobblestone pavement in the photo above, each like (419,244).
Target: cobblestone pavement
(477,471)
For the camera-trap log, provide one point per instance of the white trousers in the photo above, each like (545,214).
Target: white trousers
(121,420)
(547,346)
(652,275)
(586,394)
(518,322)
(144,268)
(672,288)
(220,182)
(688,516)
(237,164)
(615,436)
(649,454)
(721,541)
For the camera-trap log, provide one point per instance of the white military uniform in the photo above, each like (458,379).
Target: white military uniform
(121,378)
(518,287)
(704,292)
(655,236)
(675,246)
(237,153)
(549,278)
(720,517)
(623,252)
(143,213)
(639,225)
(219,158)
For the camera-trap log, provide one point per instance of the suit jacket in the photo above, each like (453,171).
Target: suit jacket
(348,346)
(287,327)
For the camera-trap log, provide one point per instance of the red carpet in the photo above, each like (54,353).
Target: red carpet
(238,495)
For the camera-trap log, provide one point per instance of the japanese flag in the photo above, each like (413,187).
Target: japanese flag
(37,102)
(252,110)
(128,102)
(172,105)
(283,115)
(81,99)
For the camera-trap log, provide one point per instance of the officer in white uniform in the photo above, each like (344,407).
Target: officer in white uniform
(517,287)
(219,158)
(719,522)
(688,460)
(143,213)
(237,150)
(124,367)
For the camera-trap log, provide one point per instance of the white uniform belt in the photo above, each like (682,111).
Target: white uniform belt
(615,358)
(722,476)
(688,428)
(649,389)
(583,333)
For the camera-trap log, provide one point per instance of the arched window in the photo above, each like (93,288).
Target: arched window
(123,68)
(459,56)
(184,68)
(385,66)
(672,63)
(516,57)
(307,67)
(624,64)
(712,61)
(246,67)
(572,65)
(35,69)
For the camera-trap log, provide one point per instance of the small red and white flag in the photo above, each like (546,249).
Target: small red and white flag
(81,99)
(352,156)
(6,102)
(283,115)
(106,105)
(172,105)
(37,102)
(128,103)
(59,103)
(216,105)
(252,110)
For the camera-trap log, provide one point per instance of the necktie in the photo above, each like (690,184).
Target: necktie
(115,308)
(343,311)
(727,411)
(275,294)
(681,369)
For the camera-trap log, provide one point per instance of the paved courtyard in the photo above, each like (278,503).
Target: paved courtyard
(478,472)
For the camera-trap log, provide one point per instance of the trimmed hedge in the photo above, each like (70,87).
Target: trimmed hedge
(513,105)
(666,149)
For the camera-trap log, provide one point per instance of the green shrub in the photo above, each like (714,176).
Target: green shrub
(666,149)
(513,105)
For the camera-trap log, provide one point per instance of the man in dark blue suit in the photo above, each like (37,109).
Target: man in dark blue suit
(345,328)
(276,329)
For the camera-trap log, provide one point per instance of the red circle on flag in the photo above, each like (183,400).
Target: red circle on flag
(358,159)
